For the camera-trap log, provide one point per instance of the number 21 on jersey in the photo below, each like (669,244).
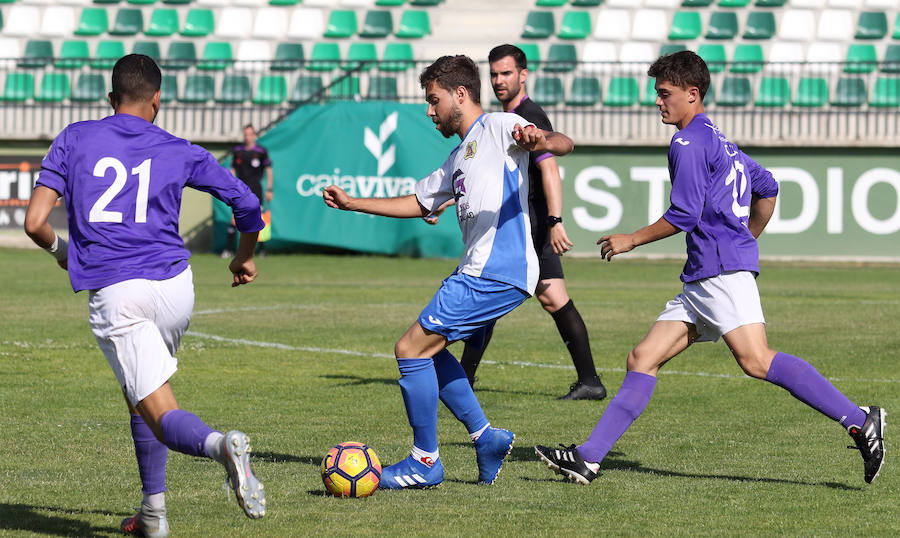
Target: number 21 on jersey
(98,210)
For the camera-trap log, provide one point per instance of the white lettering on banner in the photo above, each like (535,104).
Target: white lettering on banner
(587,193)
(809,202)
(835,202)
(6,181)
(860,196)
(357,186)
(657,177)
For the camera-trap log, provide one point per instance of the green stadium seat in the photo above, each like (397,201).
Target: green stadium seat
(382,88)
(770,3)
(575,25)
(733,3)
(361,57)
(325,57)
(871,25)
(341,23)
(850,91)
(424,2)
(891,59)
(397,57)
(378,23)
(686,25)
(168,88)
(621,91)
(773,92)
(886,92)
(551,3)
(760,25)
(90,87)
(695,3)
(106,1)
(38,53)
(710,96)
(141,2)
(344,88)
(181,55)
(18,87)
(107,53)
(735,92)
(861,58)
(306,88)
(235,89)
(532,55)
(561,57)
(54,88)
(414,24)
(648,98)
(198,23)
(177,2)
(811,92)
(714,56)
(216,55)
(748,58)
(148,48)
(283,2)
(163,22)
(129,21)
(94,21)
(539,25)
(548,91)
(288,57)
(389,3)
(584,91)
(72,55)
(586,3)
(198,89)
(722,25)
(896,34)
(670,48)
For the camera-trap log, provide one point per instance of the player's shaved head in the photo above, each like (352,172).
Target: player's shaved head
(684,69)
(135,78)
(451,72)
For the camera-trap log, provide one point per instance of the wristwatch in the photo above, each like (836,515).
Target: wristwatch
(553,221)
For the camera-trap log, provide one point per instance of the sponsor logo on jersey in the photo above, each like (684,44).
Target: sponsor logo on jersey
(434,320)
(470,150)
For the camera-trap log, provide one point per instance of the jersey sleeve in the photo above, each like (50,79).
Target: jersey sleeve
(507,122)
(54,168)
(762,183)
(689,173)
(209,176)
(435,189)
(536,115)
(266,161)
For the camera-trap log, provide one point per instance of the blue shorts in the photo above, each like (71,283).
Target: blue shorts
(465,304)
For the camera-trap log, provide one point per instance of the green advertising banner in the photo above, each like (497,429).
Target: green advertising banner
(370,149)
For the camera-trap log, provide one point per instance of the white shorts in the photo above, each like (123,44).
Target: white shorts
(717,305)
(139,324)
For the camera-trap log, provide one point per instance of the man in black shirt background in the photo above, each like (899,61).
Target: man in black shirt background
(247,164)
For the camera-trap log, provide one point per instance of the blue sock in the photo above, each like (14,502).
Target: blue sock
(151,457)
(184,432)
(622,411)
(456,393)
(418,384)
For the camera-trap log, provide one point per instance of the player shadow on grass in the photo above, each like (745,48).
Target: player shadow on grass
(356,380)
(277,457)
(26,517)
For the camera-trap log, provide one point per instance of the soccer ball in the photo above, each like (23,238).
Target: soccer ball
(351,470)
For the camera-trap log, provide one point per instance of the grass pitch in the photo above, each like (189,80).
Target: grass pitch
(301,360)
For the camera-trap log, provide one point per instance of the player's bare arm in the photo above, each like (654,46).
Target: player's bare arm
(398,207)
(761,210)
(610,245)
(270,185)
(552,183)
(433,216)
(242,267)
(533,139)
(43,199)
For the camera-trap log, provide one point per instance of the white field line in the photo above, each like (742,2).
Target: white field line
(523,364)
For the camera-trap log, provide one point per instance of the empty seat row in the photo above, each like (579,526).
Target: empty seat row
(660,3)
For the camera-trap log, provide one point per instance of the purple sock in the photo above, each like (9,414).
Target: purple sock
(622,410)
(151,457)
(809,386)
(184,432)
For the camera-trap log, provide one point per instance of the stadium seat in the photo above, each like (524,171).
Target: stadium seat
(72,55)
(181,55)
(306,88)
(163,22)
(773,92)
(283,2)
(254,54)
(649,25)
(670,48)
(850,91)
(722,25)
(648,98)
(341,23)
(539,25)
(57,21)
(733,3)
(871,25)
(414,24)
(575,25)
(637,57)
(216,55)
(532,55)
(896,34)
(861,58)
(54,88)
(686,25)
(598,57)
(769,3)
(38,53)
(886,92)
(235,89)
(714,56)
(94,21)
(198,89)
(288,57)
(176,2)
(551,3)
(360,57)
(107,53)
(397,57)
(548,91)
(325,57)
(306,23)
(797,25)
(785,57)
(613,24)
(760,25)
(378,23)
(811,92)
(693,3)
(18,87)
(90,87)
(561,57)
(389,3)
(424,2)
(141,2)
(23,21)
(584,91)
(234,22)
(128,21)
(198,22)
(344,88)
(148,48)
(621,91)
(891,59)
(382,88)
(735,91)
(586,3)
(748,58)
(168,88)
(835,25)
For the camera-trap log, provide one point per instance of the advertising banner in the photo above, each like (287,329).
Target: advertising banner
(17,177)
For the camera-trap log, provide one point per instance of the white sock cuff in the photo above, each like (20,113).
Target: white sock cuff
(475,435)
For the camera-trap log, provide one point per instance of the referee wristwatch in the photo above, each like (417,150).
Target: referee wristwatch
(553,221)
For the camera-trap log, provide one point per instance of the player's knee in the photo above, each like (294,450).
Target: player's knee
(637,361)
(755,364)
(405,349)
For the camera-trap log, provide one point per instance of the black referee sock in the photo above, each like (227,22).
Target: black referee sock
(575,336)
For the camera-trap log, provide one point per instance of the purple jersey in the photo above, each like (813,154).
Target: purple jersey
(710,200)
(122,179)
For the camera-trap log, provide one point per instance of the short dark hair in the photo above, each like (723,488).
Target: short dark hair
(135,78)
(502,51)
(683,69)
(451,72)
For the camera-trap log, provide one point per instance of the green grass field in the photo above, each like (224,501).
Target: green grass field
(301,360)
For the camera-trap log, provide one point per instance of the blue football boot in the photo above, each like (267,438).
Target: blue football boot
(490,450)
(409,474)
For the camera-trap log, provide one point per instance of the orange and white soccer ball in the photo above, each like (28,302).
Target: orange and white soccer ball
(351,470)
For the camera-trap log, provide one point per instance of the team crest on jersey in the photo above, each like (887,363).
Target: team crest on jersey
(470,150)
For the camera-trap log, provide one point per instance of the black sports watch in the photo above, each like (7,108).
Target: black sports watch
(553,221)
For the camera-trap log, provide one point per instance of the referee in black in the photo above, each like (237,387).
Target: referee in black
(248,161)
